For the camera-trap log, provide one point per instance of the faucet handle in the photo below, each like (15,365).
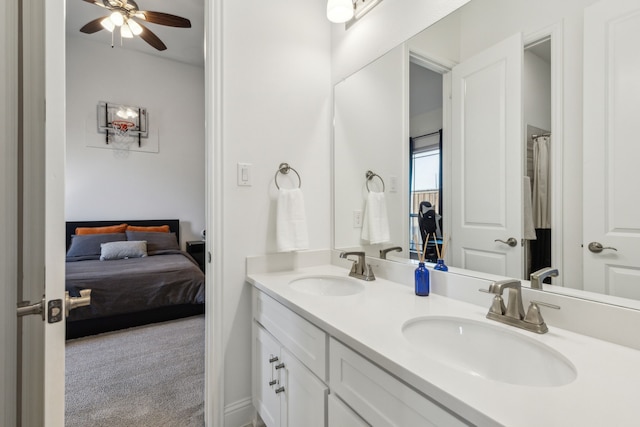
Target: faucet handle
(533,312)
(545,304)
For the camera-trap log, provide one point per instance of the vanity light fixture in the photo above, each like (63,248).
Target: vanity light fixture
(339,11)
(349,11)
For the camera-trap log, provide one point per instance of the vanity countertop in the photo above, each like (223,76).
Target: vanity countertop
(604,393)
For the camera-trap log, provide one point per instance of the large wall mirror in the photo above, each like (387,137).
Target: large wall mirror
(512,121)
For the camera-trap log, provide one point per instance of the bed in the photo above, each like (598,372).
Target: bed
(136,272)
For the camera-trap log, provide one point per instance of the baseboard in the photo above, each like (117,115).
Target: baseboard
(239,414)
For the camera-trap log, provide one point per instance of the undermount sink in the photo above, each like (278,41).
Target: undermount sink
(327,285)
(488,351)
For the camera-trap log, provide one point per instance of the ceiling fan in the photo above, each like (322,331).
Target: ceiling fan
(122,15)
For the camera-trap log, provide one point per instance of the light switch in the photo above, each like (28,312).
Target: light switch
(357,219)
(393,186)
(244,174)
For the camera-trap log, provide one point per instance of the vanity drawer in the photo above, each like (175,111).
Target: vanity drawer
(378,397)
(304,340)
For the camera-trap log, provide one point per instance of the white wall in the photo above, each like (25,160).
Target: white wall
(536,91)
(103,184)
(383,28)
(370,112)
(276,107)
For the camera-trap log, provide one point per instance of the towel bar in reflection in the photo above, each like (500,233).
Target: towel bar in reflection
(370,175)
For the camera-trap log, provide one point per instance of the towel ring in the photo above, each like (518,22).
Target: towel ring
(370,175)
(284,169)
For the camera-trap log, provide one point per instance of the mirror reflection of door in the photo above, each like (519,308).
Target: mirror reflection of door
(611,175)
(486,226)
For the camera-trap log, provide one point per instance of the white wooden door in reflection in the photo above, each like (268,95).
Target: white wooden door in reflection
(487,167)
(611,148)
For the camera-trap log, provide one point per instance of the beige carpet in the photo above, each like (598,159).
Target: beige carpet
(146,376)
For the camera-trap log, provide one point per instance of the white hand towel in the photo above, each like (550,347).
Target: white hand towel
(529,229)
(291,221)
(375,226)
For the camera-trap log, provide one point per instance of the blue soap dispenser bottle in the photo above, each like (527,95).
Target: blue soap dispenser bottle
(422,280)
(422,274)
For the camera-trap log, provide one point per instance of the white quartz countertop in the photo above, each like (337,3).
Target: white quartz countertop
(604,393)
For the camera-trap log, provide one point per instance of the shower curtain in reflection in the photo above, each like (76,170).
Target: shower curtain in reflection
(541,196)
(541,203)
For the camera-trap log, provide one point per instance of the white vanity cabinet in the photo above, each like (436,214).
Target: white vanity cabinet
(286,348)
(340,415)
(380,398)
(294,360)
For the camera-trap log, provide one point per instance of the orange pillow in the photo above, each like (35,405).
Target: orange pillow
(102,230)
(150,229)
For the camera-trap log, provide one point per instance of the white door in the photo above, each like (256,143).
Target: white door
(8,213)
(611,149)
(486,181)
(33,217)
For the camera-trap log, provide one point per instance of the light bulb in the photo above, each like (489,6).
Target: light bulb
(339,11)
(135,27)
(107,24)
(125,32)
(117,18)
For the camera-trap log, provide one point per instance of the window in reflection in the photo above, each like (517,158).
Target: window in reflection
(426,192)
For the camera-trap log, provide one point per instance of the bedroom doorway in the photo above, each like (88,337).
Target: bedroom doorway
(159,176)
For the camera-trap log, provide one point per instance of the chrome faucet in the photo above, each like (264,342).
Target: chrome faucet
(537,278)
(360,269)
(384,252)
(513,314)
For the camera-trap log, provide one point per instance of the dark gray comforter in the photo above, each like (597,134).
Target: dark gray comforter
(135,284)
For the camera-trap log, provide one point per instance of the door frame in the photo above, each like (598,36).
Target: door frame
(55,76)
(443,67)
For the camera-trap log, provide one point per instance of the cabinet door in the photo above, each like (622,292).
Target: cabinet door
(380,398)
(340,415)
(305,396)
(265,378)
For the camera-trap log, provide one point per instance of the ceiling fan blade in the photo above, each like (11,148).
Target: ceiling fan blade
(167,19)
(92,26)
(96,2)
(151,38)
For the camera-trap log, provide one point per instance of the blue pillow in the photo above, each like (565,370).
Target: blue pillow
(156,242)
(87,246)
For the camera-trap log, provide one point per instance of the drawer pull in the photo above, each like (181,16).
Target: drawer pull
(279,390)
(272,382)
(280,366)
(273,359)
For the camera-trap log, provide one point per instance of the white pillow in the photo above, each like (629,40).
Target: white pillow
(123,250)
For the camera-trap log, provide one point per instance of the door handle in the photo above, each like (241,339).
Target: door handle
(54,309)
(72,303)
(25,308)
(511,241)
(597,247)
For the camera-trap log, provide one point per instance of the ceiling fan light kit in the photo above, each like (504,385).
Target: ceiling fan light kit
(122,16)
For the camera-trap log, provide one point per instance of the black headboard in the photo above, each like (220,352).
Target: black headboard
(174,225)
